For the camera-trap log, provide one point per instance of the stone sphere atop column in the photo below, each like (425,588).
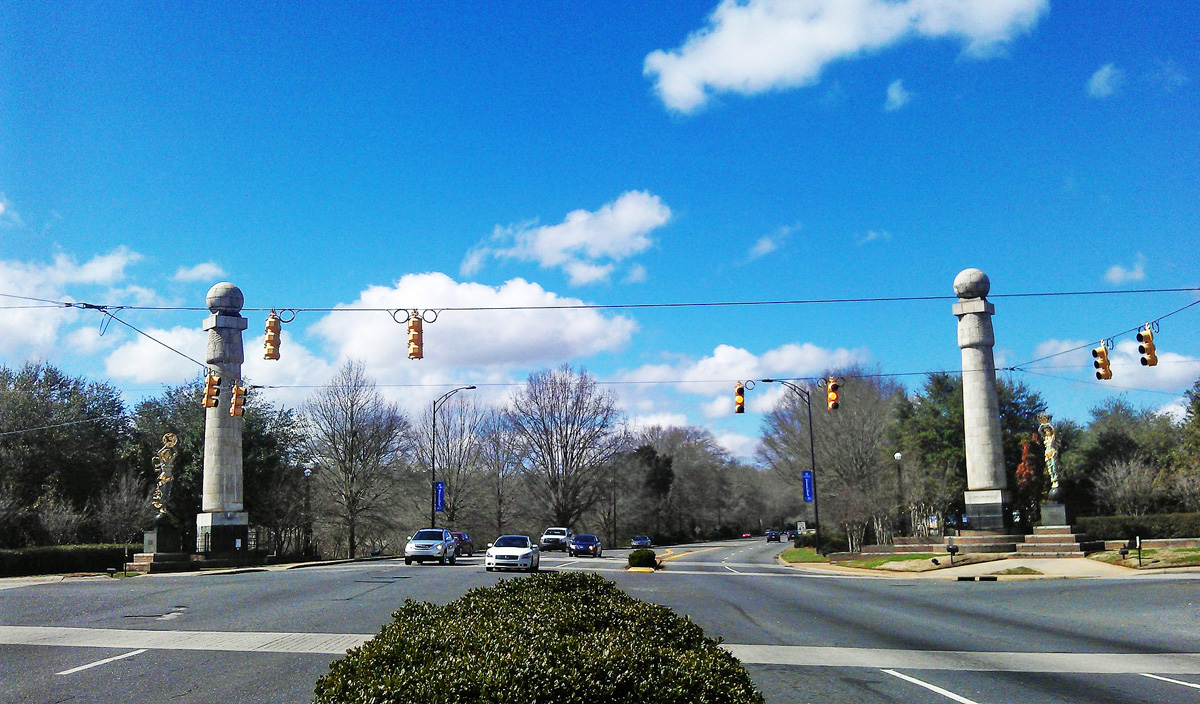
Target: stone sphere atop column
(972,283)
(224,297)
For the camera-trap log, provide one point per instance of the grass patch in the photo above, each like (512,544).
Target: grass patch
(1151,558)
(875,562)
(1018,570)
(795,555)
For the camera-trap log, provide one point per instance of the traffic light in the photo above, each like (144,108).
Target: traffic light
(1146,337)
(416,346)
(212,390)
(831,393)
(739,398)
(1102,364)
(272,343)
(237,400)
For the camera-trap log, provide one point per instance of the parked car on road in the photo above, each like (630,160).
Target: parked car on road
(431,544)
(640,541)
(586,544)
(465,544)
(512,552)
(747,535)
(773,537)
(556,538)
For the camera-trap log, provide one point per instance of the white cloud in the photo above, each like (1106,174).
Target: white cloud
(31,333)
(1170,76)
(1118,274)
(1060,356)
(1105,81)
(509,339)
(874,236)
(897,96)
(1173,372)
(713,376)
(1176,409)
(741,446)
(586,244)
(8,216)
(205,271)
(760,45)
(144,361)
(636,274)
(662,420)
(769,243)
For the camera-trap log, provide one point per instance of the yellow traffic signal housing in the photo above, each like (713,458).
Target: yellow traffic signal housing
(739,398)
(212,391)
(272,343)
(1146,348)
(237,400)
(416,345)
(1101,363)
(831,393)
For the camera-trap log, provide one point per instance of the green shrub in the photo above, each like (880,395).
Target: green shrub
(57,559)
(1163,525)
(643,557)
(805,540)
(565,637)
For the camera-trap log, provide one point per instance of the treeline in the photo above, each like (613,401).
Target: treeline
(351,471)
(1125,460)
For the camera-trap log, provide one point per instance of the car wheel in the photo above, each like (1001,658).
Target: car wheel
(442,560)
(453,559)
(487,569)
(408,560)
(533,567)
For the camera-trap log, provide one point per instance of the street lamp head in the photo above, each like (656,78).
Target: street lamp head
(768,381)
(471,387)
(897,456)
(307,472)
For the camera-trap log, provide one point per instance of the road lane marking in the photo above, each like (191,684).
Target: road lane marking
(966,660)
(809,656)
(933,688)
(1193,685)
(685,554)
(105,661)
(731,569)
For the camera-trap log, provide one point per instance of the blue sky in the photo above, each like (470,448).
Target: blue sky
(412,155)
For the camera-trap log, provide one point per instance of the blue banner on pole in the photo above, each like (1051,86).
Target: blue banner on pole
(806,478)
(439,492)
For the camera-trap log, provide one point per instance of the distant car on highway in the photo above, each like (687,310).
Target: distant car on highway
(512,552)
(747,535)
(465,544)
(431,544)
(640,541)
(773,537)
(586,544)
(556,538)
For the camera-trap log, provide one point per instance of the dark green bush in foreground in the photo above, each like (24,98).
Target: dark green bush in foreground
(563,638)
(643,557)
(1163,525)
(57,559)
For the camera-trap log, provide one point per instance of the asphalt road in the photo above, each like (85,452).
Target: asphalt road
(805,636)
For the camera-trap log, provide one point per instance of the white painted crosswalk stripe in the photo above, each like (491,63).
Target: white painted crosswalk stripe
(105,661)
(931,687)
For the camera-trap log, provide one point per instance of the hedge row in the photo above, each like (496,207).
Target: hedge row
(1163,525)
(57,559)
(548,638)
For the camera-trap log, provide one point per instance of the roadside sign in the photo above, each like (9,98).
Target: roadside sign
(806,478)
(439,492)
(801,526)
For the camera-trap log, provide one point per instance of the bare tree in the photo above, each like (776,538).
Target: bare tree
(460,428)
(500,457)
(124,508)
(59,519)
(570,431)
(357,442)
(1128,487)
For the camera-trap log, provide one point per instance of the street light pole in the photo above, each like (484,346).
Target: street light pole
(433,454)
(899,492)
(812,452)
(308,512)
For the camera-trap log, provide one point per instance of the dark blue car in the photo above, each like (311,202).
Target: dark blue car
(586,544)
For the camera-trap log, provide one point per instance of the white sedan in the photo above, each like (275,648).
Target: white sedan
(512,552)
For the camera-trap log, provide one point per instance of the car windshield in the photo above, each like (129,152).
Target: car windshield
(556,531)
(586,539)
(640,537)
(511,541)
(428,535)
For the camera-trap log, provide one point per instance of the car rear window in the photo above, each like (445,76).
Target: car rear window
(428,535)
(556,531)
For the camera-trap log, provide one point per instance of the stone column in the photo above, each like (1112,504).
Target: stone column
(222,520)
(987,496)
